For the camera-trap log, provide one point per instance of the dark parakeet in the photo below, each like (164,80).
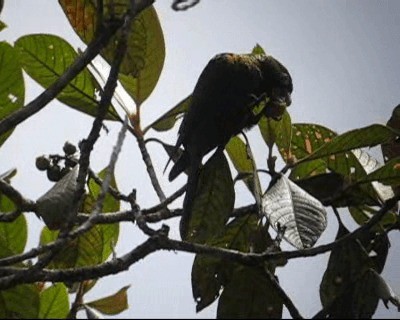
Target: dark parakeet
(222,105)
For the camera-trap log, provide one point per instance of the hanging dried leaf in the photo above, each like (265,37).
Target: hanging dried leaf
(300,215)
(56,204)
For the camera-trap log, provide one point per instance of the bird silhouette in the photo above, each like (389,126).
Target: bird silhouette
(223,105)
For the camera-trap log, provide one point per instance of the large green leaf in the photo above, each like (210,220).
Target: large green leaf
(214,199)
(249,295)
(20,302)
(369,136)
(168,119)
(145,57)
(306,139)
(12,89)
(243,161)
(54,302)
(46,57)
(144,60)
(344,291)
(210,274)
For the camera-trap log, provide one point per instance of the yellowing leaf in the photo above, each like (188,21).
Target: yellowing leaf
(113,304)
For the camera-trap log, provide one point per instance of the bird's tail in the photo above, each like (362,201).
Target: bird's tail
(181,165)
(190,195)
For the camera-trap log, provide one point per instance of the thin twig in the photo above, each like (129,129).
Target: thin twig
(150,168)
(15,196)
(164,203)
(294,312)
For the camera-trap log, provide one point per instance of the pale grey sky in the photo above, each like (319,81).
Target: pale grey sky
(344,61)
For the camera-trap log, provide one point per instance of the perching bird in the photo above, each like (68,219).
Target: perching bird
(222,105)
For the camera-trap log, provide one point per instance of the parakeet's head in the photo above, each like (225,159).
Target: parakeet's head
(277,83)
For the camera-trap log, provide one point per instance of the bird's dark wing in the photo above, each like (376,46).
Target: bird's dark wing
(227,85)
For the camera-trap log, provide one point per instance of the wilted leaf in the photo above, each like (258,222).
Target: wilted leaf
(249,295)
(82,16)
(94,246)
(56,205)
(46,57)
(168,119)
(214,199)
(243,161)
(12,89)
(300,215)
(112,304)
(54,302)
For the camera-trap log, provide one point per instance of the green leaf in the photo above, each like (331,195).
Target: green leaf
(343,289)
(391,149)
(108,232)
(145,57)
(167,120)
(388,174)
(362,213)
(214,199)
(20,302)
(2,25)
(46,57)
(277,131)
(323,186)
(144,60)
(209,274)
(113,304)
(243,161)
(249,295)
(54,302)
(308,137)
(258,49)
(69,255)
(369,136)
(12,89)
(13,235)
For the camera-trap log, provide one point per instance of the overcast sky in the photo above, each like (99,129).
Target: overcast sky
(344,60)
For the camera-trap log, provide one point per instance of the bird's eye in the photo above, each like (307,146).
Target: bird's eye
(284,79)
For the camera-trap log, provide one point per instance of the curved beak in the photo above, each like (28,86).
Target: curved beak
(281,96)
